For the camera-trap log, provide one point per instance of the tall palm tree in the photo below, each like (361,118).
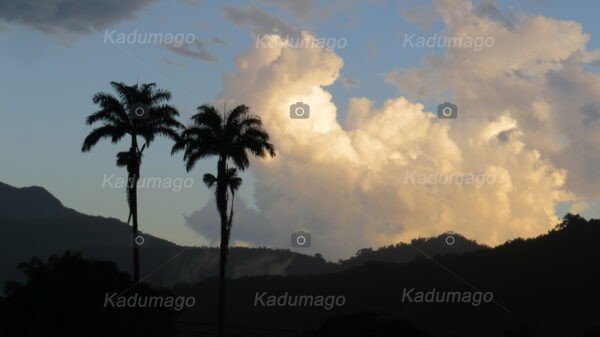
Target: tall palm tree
(229,137)
(138,111)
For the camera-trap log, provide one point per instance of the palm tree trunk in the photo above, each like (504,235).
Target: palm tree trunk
(222,265)
(134,173)
(136,250)
(224,247)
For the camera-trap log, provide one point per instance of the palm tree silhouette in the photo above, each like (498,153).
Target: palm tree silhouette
(137,111)
(228,136)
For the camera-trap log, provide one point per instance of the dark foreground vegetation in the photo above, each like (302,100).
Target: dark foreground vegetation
(546,286)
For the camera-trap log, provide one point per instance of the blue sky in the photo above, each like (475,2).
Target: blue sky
(49,78)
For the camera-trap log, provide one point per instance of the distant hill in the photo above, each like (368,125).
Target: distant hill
(447,243)
(30,202)
(35,223)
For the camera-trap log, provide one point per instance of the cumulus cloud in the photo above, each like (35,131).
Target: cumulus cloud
(69,17)
(395,172)
(537,72)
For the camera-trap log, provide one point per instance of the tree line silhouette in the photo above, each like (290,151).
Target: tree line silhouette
(543,286)
(548,284)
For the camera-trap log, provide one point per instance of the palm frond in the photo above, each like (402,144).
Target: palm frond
(113,113)
(240,158)
(109,105)
(126,93)
(209,180)
(256,140)
(105,131)
(250,122)
(207,137)
(160,96)
(232,180)
(237,113)
(125,158)
(192,159)
(208,116)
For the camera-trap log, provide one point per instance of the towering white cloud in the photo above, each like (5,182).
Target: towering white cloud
(394,172)
(537,72)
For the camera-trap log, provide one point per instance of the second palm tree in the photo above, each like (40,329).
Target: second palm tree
(229,136)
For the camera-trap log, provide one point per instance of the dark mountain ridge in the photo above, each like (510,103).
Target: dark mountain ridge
(30,202)
(35,223)
(544,286)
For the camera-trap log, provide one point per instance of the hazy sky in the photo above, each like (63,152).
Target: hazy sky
(529,113)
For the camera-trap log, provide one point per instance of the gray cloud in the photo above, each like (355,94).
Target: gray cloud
(266,229)
(206,222)
(166,60)
(217,40)
(300,8)
(193,2)
(196,50)
(422,17)
(259,21)
(349,83)
(591,112)
(489,10)
(69,17)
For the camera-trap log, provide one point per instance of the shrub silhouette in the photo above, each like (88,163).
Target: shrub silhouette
(367,324)
(65,297)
